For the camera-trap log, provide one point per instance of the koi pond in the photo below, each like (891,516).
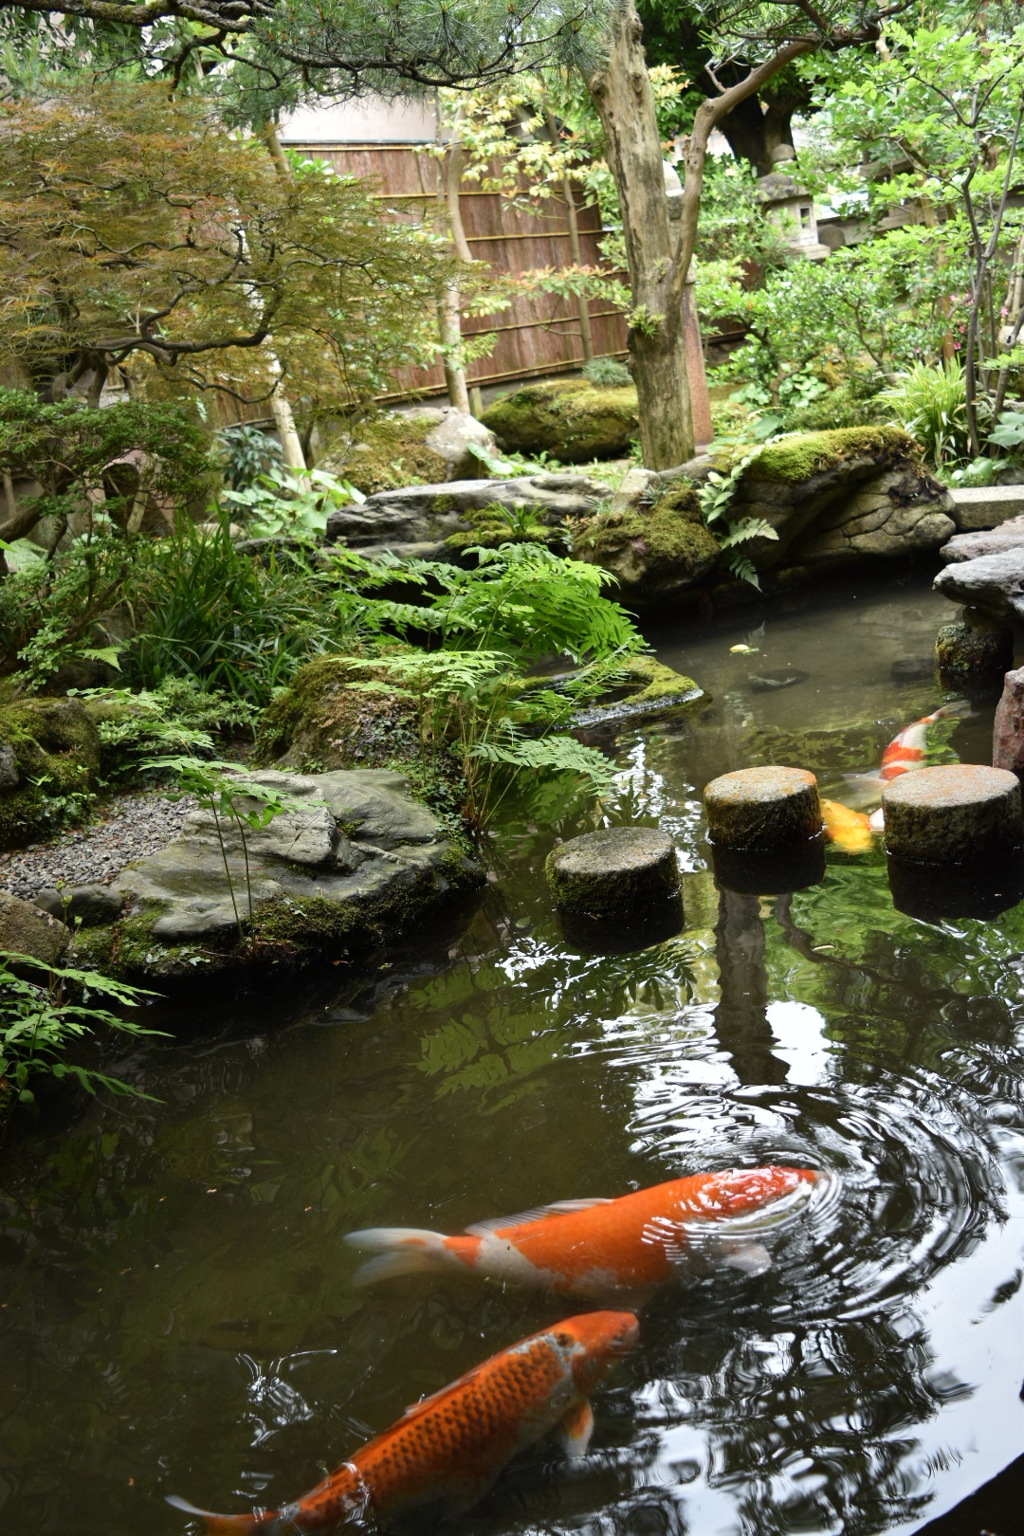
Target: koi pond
(177,1314)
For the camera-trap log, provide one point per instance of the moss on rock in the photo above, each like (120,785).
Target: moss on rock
(385,452)
(806,454)
(654,551)
(50,750)
(571,419)
(321,722)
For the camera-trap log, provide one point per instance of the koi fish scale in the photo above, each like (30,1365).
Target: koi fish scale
(592,1248)
(453,1445)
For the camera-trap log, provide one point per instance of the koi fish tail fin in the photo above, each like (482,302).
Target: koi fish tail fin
(222,1525)
(957,707)
(399,1251)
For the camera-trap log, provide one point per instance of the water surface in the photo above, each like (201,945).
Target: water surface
(176,1312)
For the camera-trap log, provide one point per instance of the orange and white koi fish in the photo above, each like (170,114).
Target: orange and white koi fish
(450,1447)
(600,1247)
(909,750)
(850,830)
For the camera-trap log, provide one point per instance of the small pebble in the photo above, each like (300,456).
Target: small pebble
(131,827)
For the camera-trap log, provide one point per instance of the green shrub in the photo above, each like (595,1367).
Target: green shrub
(931,402)
(606,373)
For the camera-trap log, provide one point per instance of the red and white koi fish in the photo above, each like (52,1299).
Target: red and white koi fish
(600,1247)
(451,1447)
(909,750)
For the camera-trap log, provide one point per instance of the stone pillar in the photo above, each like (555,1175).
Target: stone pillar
(765,829)
(1008,730)
(618,888)
(963,814)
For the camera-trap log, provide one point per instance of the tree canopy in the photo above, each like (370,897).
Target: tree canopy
(138,235)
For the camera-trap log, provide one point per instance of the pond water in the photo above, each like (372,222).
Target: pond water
(176,1306)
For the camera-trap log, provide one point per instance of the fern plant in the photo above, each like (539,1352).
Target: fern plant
(716,497)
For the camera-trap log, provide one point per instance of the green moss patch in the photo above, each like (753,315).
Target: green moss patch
(322,722)
(663,542)
(50,759)
(571,419)
(494,525)
(385,452)
(806,454)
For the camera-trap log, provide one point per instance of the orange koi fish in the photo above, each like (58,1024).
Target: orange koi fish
(451,1446)
(909,750)
(851,831)
(599,1247)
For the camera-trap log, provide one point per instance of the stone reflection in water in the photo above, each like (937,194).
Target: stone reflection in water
(742,1013)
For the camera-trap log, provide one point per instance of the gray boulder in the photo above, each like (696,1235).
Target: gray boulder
(26,930)
(414,522)
(351,864)
(451,435)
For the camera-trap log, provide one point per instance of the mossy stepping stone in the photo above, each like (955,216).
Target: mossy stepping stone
(622,873)
(763,809)
(957,814)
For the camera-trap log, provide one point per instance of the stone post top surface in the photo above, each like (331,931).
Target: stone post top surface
(950,785)
(613,847)
(760,784)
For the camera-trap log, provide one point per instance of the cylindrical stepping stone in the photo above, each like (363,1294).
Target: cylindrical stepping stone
(623,873)
(763,810)
(959,814)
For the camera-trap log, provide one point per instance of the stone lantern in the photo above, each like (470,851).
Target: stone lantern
(790,208)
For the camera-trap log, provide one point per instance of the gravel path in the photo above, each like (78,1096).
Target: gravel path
(131,827)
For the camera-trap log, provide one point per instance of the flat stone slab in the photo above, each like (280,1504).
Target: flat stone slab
(761,809)
(993,583)
(622,872)
(986,506)
(971,546)
(957,814)
(352,859)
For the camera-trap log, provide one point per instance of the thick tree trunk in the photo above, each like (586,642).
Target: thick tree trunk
(753,132)
(621,92)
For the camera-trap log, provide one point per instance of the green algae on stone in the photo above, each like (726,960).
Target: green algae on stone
(50,752)
(655,552)
(974,650)
(569,418)
(621,873)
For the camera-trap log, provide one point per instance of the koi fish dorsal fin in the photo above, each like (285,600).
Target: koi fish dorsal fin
(539,1213)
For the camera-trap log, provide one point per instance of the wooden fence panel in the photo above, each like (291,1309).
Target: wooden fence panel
(535,335)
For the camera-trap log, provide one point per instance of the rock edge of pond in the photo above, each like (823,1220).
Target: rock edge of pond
(354,865)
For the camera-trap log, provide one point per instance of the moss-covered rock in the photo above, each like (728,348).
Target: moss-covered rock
(806,454)
(570,419)
(655,552)
(49,764)
(322,722)
(385,452)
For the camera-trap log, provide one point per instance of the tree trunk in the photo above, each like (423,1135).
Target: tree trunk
(753,132)
(621,92)
(449,183)
(575,251)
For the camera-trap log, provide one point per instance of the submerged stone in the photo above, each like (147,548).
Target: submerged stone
(957,814)
(622,873)
(763,809)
